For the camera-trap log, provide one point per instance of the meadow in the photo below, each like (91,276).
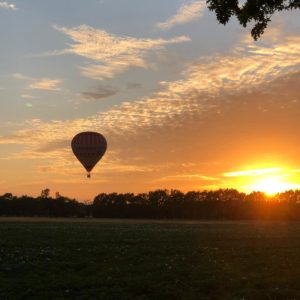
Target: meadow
(116,259)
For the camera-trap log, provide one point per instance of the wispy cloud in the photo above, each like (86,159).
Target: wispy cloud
(111,54)
(20,76)
(189,177)
(186,13)
(49,84)
(27,96)
(280,172)
(6,5)
(252,172)
(46,84)
(246,67)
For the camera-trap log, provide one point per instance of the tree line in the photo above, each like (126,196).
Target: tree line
(222,204)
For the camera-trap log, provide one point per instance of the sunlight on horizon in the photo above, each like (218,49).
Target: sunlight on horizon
(180,108)
(267,180)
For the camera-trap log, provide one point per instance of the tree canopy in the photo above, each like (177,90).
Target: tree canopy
(223,204)
(257,11)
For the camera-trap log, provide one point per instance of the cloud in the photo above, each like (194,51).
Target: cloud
(54,146)
(186,13)
(246,68)
(252,172)
(187,121)
(26,96)
(101,92)
(111,54)
(46,84)
(189,177)
(6,5)
(49,84)
(277,172)
(20,76)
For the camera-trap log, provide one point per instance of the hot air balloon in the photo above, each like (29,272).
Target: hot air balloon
(89,147)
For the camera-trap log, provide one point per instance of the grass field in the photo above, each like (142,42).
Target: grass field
(69,259)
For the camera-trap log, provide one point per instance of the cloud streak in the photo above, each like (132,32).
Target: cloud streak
(110,54)
(26,96)
(49,84)
(186,13)
(46,84)
(189,177)
(6,5)
(252,172)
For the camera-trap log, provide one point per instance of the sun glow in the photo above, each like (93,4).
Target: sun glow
(267,180)
(272,185)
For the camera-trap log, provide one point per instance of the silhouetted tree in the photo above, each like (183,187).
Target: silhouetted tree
(258,12)
(7,196)
(222,204)
(45,193)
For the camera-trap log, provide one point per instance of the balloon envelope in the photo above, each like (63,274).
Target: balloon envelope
(89,147)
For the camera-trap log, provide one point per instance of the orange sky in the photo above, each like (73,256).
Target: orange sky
(226,117)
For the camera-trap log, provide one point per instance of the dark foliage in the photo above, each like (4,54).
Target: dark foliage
(257,11)
(223,204)
(43,206)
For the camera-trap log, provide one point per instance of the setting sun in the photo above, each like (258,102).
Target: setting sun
(272,185)
(268,180)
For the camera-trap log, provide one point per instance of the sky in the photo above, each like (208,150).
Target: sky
(184,102)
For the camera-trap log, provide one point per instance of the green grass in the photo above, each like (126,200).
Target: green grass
(43,259)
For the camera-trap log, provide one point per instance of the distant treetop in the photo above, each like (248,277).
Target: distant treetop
(246,11)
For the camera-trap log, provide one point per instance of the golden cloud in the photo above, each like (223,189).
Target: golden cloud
(27,96)
(39,83)
(252,172)
(189,177)
(113,54)
(186,13)
(46,84)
